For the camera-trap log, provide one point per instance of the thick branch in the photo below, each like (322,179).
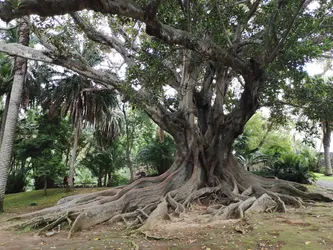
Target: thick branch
(8,11)
(49,57)
(169,34)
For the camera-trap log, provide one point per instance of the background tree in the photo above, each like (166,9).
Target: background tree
(312,98)
(8,137)
(103,162)
(86,103)
(221,59)
(46,149)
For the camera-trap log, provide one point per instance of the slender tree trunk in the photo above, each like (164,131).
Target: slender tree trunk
(105,179)
(45,184)
(109,179)
(67,157)
(4,116)
(73,160)
(13,110)
(128,146)
(99,180)
(326,142)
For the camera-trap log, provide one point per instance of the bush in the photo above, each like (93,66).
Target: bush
(16,181)
(289,166)
(117,180)
(158,155)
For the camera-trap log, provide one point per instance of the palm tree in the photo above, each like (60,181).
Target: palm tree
(6,80)
(6,146)
(87,103)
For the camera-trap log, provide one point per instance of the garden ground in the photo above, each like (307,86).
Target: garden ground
(307,228)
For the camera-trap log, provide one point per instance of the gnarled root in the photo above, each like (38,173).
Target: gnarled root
(147,201)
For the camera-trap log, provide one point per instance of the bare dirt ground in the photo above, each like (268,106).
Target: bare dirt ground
(306,228)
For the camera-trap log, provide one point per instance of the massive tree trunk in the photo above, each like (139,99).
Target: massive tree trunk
(326,142)
(6,146)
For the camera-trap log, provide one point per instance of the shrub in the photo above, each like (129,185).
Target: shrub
(118,180)
(289,166)
(158,155)
(16,181)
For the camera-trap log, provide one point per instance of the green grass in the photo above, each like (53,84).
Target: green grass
(21,201)
(323,177)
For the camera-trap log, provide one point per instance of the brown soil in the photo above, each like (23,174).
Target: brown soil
(305,228)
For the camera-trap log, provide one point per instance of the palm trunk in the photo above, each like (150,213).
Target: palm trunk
(326,142)
(13,110)
(73,160)
(4,116)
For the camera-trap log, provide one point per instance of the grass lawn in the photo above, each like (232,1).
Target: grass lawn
(23,201)
(323,177)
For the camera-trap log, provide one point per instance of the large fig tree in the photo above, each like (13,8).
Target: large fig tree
(200,69)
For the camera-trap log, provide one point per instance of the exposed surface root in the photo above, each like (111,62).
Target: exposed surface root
(148,201)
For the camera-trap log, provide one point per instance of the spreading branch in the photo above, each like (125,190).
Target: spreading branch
(206,47)
(285,34)
(101,38)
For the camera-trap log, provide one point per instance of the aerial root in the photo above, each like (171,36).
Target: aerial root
(35,222)
(227,212)
(239,213)
(144,212)
(201,192)
(290,200)
(53,224)
(123,217)
(248,191)
(178,207)
(237,210)
(158,214)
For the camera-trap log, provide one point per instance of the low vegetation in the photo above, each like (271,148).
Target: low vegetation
(35,200)
(320,176)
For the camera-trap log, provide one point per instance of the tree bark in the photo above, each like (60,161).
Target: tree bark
(13,109)
(326,143)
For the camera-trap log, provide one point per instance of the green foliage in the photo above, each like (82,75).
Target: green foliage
(275,155)
(117,180)
(251,159)
(104,162)
(261,134)
(40,145)
(16,182)
(320,176)
(284,164)
(158,155)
